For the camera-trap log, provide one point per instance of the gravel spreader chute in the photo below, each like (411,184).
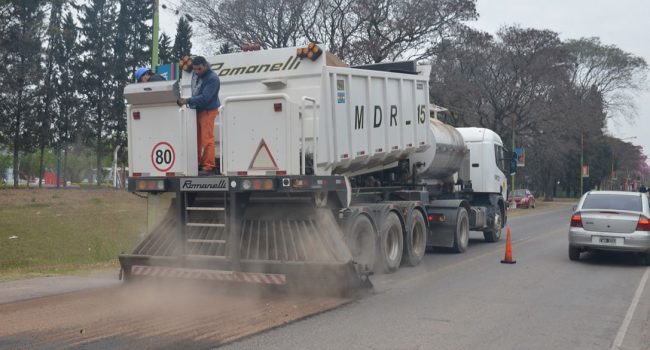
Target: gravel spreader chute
(233,236)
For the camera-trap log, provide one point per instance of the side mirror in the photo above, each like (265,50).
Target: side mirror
(513,166)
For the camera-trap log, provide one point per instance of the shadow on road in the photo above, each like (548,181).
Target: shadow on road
(611,258)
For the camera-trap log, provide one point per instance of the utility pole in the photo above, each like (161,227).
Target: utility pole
(154,47)
(582,150)
(58,166)
(514,116)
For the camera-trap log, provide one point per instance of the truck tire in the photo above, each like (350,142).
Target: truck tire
(461,235)
(361,240)
(494,234)
(391,242)
(415,243)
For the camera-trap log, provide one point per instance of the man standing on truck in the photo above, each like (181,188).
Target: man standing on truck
(145,74)
(205,99)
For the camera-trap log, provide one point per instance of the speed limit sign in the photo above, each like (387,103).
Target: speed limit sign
(163,156)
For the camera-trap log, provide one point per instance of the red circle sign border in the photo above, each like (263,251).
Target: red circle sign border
(173,155)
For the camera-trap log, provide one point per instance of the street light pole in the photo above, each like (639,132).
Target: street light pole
(154,47)
(582,150)
(514,116)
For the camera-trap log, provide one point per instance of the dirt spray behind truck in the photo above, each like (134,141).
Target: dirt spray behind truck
(326,172)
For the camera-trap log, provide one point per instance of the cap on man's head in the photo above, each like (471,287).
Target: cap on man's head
(199,60)
(140,72)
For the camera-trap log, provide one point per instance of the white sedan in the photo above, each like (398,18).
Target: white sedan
(611,221)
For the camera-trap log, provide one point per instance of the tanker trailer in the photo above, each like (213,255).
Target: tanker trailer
(326,172)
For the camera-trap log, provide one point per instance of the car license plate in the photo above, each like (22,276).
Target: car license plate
(607,240)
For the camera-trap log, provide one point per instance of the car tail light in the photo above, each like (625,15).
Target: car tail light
(576,220)
(644,224)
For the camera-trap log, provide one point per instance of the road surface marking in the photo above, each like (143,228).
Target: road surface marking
(630,311)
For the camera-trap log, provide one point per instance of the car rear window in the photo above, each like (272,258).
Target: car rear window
(613,202)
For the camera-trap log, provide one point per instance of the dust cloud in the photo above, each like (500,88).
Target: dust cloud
(151,314)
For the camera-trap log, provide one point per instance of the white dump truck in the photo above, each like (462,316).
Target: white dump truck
(325,170)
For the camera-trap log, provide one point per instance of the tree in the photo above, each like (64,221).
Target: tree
(20,48)
(69,121)
(48,110)
(132,44)
(364,31)
(183,40)
(408,28)
(165,49)
(334,23)
(99,83)
(270,23)
(616,74)
(491,82)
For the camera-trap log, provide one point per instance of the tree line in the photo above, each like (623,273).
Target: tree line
(65,64)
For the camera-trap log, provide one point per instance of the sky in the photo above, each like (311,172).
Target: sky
(624,23)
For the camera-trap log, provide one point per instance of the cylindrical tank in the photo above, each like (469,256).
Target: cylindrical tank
(446,157)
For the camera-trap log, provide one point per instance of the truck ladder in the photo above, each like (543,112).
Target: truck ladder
(205,230)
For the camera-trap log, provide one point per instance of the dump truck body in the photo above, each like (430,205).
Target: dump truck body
(325,171)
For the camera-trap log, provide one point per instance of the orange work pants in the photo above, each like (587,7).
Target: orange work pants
(205,137)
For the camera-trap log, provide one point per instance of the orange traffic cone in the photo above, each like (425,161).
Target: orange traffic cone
(508,258)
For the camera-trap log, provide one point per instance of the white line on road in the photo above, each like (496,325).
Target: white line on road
(630,311)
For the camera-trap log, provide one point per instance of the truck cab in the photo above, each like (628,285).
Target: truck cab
(487,160)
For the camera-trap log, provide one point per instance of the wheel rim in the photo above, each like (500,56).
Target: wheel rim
(464,232)
(497,221)
(392,244)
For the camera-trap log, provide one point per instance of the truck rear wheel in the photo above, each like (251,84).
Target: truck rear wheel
(391,242)
(494,234)
(461,236)
(361,240)
(416,239)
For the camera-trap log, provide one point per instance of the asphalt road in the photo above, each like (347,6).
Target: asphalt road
(472,301)
(450,301)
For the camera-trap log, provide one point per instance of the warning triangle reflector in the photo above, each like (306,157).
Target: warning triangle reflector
(263,160)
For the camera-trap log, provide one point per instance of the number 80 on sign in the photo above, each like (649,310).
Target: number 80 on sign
(163,156)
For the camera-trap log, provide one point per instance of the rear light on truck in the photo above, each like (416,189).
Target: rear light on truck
(644,224)
(576,220)
(150,185)
(258,185)
(436,218)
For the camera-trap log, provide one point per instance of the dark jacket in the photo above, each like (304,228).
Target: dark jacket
(205,91)
(157,77)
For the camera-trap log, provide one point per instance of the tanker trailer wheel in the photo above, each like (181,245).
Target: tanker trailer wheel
(461,235)
(494,234)
(416,239)
(391,244)
(361,240)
